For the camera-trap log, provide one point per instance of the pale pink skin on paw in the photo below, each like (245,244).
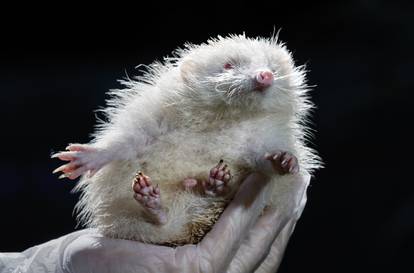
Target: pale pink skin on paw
(82,158)
(190,183)
(283,162)
(149,197)
(218,180)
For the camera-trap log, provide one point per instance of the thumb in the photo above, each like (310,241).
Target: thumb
(219,246)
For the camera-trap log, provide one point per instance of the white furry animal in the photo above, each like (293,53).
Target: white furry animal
(235,99)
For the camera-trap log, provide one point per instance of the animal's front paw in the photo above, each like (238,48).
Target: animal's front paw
(82,158)
(218,180)
(283,162)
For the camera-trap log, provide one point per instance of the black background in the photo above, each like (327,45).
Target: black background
(57,62)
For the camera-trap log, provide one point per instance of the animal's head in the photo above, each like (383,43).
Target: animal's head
(243,74)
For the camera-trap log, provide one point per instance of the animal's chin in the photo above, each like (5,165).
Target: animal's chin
(260,88)
(247,94)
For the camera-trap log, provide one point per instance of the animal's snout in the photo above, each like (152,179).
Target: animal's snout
(264,79)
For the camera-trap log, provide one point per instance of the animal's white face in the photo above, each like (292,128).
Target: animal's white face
(239,73)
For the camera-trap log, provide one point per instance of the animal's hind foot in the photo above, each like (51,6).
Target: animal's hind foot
(149,197)
(218,180)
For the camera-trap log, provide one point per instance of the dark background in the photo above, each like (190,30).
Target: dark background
(56,65)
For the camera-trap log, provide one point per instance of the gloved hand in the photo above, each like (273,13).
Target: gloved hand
(247,238)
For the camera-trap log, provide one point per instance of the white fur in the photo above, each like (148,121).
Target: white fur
(184,115)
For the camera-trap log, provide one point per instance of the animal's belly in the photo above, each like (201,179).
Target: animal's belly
(168,161)
(173,158)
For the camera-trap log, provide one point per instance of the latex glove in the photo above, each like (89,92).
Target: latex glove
(242,240)
(262,250)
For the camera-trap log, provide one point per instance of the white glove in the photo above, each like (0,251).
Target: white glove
(244,239)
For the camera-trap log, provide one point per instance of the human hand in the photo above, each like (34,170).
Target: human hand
(244,239)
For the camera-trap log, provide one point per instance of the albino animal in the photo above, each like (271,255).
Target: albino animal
(233,105)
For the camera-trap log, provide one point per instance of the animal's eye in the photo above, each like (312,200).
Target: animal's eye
(228,66)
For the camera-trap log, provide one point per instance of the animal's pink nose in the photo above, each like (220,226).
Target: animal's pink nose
(264,78)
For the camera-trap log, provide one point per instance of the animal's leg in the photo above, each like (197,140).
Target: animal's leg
(82,158)
(149,197)
(218,179)
(284,162)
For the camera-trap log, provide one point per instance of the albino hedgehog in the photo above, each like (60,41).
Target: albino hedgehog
(234,105)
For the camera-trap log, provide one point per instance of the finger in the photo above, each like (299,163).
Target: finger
(273,259)
(267,240)
(219,246)
(85,250)
(258,243)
